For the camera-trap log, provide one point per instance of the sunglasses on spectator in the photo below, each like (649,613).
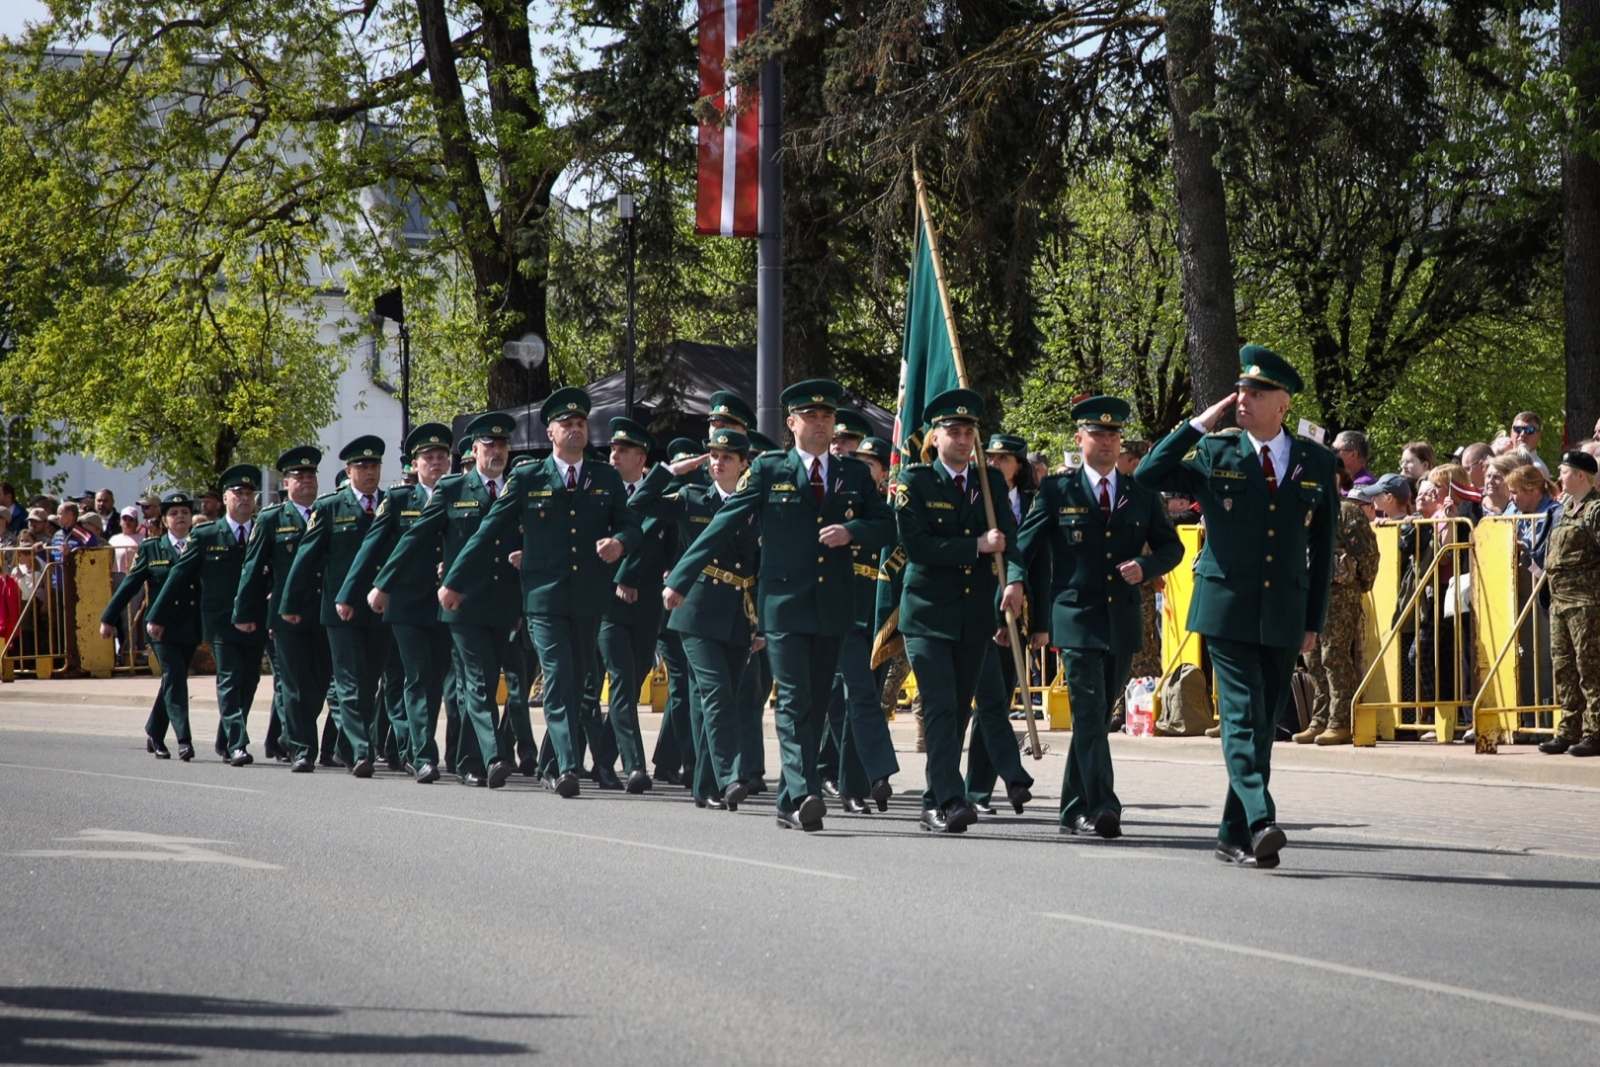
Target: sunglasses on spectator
(1524,429)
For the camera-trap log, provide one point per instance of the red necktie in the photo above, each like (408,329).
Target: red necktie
(241,537)
(1268,470)
(490,486)
(572,478)
(961,486)
(816,480)
(1105,498)
(366,503)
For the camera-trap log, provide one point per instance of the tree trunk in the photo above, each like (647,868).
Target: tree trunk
(1580,219)
(1211,330)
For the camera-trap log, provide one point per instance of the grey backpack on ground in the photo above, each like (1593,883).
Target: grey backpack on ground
(1185,703)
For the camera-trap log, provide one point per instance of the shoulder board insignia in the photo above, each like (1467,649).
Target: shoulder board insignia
(783,487)
(255,531)
(383,507)
(744,482)
(316,517)
(942,505)
(1193,453)
(1231,431)
(915,466)
(1218,472)
(901,495)
(466,503)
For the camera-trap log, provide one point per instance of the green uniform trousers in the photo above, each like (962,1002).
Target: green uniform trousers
(947,677)
(307,669)
(591,733)
(452,710)
(359,654)
(629,653)
(715,668)
(567,647)
(1094,678)
(992,753)
(803,665)
(425,653)
(837,760)
(393,725)
(516,725)
(754,687)
(173,703)
(861,733)
(238,675)
(483,652)
(1252,689)
(675,743)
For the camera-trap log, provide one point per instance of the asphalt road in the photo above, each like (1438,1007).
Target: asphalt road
(155,912)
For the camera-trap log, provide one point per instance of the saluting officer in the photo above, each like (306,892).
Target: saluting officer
(717,622)
(214,557)
(180,637)
(947,605)
(358,641)
(808,508)
(422,642)
(577,522)
(301,665)
(1103,535)
(1271,508)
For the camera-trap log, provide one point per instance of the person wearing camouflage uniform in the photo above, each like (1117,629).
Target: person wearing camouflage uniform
(1572,564)
(1337,662)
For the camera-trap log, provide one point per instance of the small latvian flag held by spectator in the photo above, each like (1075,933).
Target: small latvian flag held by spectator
(728,195)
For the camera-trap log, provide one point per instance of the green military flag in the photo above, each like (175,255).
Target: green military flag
(927,350)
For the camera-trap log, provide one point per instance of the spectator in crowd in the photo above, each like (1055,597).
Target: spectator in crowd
(92,522)
(40,526)
(1182,508)
(1353,450)
(49,503)
(8,501)
(1416,460)
(1393,496)
(70,532)
(1591,446)
(1041,466)
(105,505)
(1530,495)
(1475,458)
(211,507)
(1133,451)
(1433,501)
(7,538)
(150,521)
(1528,429)
(1496,492)
(1465,501)
(1502,443)
(1367,496)
(125,541)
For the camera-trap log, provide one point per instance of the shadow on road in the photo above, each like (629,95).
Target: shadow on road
(59,1025)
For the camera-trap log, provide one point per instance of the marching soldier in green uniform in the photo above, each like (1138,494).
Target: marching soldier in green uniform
(1104,535)
(180,637)
(1271,508)
(1337,663)
(674,749)
(482,616)
(358,641)
(1572,560)
(716,621)
(301,665)
(756,684)
(214,557)
(808,507)
(577,522)
(422,643)
(947,607)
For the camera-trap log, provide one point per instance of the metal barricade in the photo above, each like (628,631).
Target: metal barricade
(1518,691)
(33,612)
(1426,665)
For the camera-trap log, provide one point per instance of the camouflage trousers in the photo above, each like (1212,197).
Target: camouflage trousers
(1575,654)
(1335,665)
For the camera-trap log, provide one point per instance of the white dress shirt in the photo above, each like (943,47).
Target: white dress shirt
(806,458)
(1095,478)
(562,467)
(239,528)
(1278,448)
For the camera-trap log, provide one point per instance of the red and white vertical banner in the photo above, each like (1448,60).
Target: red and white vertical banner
(728,195)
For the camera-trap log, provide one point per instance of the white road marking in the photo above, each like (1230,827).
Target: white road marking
(630,844)
(161,849)
(129,777)
(1336,968)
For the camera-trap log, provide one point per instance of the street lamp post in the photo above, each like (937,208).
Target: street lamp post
(625,213)
(391,305)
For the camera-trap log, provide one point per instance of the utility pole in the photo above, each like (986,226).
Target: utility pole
(769,252)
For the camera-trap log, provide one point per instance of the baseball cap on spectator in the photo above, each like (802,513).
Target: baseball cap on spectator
(38,515)
(132,511)
(1368,493)
(1395,484)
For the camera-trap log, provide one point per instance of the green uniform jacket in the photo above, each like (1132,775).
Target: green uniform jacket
(799,575)
(267,560)
(152,566)
(562,574)
(713,606)
(644,569)
(214,559)
(1264,573)
(338,526)
(1092,606)
(948,587)
(414,597)
(490,592)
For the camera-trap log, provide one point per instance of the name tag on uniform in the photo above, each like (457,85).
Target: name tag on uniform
(218,548)
(466,503)
(783,487)
(344,518)
(1227,474)
(410,514)
(1311,485)
(699,518)
(598,492)
(943,505)
(1074,511)
(537,492)
(160,562)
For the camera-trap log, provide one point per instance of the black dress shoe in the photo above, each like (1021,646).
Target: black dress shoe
(639,782)
(790,820)
(528,767)
(856,806)
(812,809)
(303,765)
(241,758)
(830,788)
(157,747)
(395,764)
(1108,824)
(1267,842)
(470,779)
(933,820)
(734,795)
(958,815)
(499,771)
(1589,746)
(714,803)
(881,792)
(1241,856)
(1018,795)
(409,768)
(363,767)
(185,751)
(606,778)
(1555,746)
(1078,825)
(981,808)
(755,785)
(428,774)
(668,776)
(565,786)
